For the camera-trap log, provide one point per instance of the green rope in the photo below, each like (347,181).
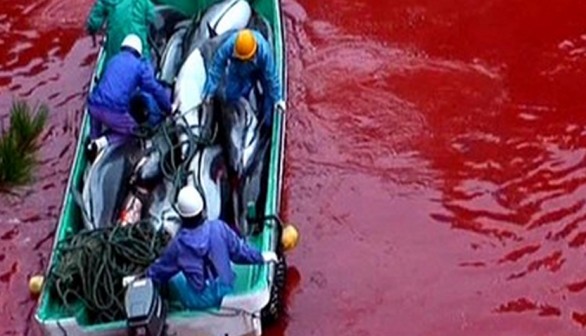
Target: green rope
(91,265)
(174,168)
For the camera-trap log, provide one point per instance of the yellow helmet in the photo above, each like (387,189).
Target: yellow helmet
(245,46)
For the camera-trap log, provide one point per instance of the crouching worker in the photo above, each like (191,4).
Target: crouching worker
(126,93)
(245,57)
(196,264)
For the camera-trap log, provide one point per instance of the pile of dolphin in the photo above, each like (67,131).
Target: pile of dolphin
(222,150)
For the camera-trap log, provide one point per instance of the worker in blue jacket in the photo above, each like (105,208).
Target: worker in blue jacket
(196,263)
(128,80)
(245,57)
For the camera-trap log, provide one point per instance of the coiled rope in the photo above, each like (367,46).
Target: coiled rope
(90,266)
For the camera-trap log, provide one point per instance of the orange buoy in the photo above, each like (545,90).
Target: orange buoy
(35,284)
(289,237)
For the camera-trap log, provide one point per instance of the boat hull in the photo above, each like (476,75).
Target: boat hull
(240,313)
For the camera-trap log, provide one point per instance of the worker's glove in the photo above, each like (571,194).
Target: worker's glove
(127,280)
(269,256)
(281,105)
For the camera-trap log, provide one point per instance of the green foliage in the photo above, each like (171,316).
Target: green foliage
(25,125)
(18,143)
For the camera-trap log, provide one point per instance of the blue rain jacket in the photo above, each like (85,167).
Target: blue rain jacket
(242,74)
(125,74)
(203,256)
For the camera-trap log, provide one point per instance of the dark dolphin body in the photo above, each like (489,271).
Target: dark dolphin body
(246,147)
(165,36)
(106,184)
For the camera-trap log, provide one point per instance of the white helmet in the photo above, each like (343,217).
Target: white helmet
(134,42)
(189,202)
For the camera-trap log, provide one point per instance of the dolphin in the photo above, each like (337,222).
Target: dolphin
(220,18)
(246,146)
(105,185)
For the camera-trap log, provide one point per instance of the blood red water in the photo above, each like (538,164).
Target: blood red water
(435,160)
